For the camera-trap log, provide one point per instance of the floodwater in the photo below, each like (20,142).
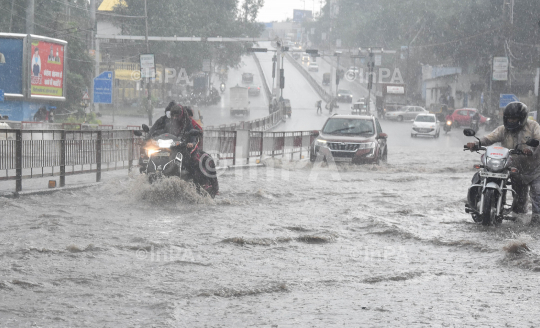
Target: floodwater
(288,245)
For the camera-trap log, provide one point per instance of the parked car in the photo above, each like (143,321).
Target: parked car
(463,116)
(254,90)
(405,113)
(426,125)
(355,139)
(247,78)
(313,67)
(344,96)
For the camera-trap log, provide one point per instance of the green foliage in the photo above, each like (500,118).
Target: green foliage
(204,18)
(81,118)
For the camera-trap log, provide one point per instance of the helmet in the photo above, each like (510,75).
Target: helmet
(177,110)
(169,106)
(515,110)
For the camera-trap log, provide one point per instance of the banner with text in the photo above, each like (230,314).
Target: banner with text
(47,69)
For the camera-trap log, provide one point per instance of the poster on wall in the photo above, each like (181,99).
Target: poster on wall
(46,69)
(11,65)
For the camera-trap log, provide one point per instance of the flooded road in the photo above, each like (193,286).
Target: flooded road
(288,245)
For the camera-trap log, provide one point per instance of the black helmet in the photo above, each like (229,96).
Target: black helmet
(517,110)
(169,106)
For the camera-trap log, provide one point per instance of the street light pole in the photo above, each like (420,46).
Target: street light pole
(538,71)
(148,85)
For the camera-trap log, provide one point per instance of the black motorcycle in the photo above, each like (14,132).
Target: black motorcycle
(166,155)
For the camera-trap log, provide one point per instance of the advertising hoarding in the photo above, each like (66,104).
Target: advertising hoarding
(300,15)
(11,65)
(46,68)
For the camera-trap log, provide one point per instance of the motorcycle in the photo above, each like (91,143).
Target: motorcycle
(222,87)
(166,155)
(486,197)
(448,126)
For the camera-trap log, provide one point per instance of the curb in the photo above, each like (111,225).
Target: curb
(46,191)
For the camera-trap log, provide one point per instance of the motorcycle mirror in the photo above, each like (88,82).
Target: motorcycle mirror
(532,143)
(137,133)
(469,132)
(145,128)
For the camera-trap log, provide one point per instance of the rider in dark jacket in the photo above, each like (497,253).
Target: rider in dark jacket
(161,123)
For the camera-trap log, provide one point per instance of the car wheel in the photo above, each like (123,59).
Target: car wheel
(400,118)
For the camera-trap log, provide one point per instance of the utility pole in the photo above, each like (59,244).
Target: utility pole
(11,17)
(29,17)
(148,85)
(94,44)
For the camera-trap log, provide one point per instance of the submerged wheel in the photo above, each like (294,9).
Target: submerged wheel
(489,208)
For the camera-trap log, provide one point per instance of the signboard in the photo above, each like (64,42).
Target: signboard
(300,15)
(148,66)
(103,88)
(46,69)
(206,65)
(394,89)
(378,60)
(505,99)
(86,96)
(11,65)
(500,68)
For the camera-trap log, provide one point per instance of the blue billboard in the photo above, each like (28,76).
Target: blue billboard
(11,61)
(301,15)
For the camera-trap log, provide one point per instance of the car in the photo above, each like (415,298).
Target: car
(426,125)
(287,109)
(313,67)
(405,113)
(344,96)
(247,78)
(463,116)
(354,69)
(305,57)
(254,90)
(359,107)
(356,139)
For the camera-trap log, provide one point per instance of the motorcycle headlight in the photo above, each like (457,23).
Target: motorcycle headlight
(150,152)
(165,143)
(495,164)
(448,122)
(320,143)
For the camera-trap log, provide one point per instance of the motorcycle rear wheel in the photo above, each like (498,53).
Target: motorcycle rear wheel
(489,209)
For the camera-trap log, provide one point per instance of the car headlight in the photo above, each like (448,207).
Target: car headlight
(495,164)
(339,95)
(367,145)
(320,143)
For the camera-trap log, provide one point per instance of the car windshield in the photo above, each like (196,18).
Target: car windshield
(425,118)
(348,126)
(344,91)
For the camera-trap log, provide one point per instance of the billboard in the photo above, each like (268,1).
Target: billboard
(11,65)
(300,15)
(46,68)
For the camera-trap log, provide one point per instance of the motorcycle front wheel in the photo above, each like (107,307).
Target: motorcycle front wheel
(489,209)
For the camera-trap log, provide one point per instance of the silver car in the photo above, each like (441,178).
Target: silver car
(406,113)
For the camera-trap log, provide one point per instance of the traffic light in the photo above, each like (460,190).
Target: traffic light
(281,79)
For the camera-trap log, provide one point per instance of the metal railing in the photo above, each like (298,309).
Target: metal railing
(27,154)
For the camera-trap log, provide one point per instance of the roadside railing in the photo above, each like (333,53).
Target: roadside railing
(28,154)
(263,78)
